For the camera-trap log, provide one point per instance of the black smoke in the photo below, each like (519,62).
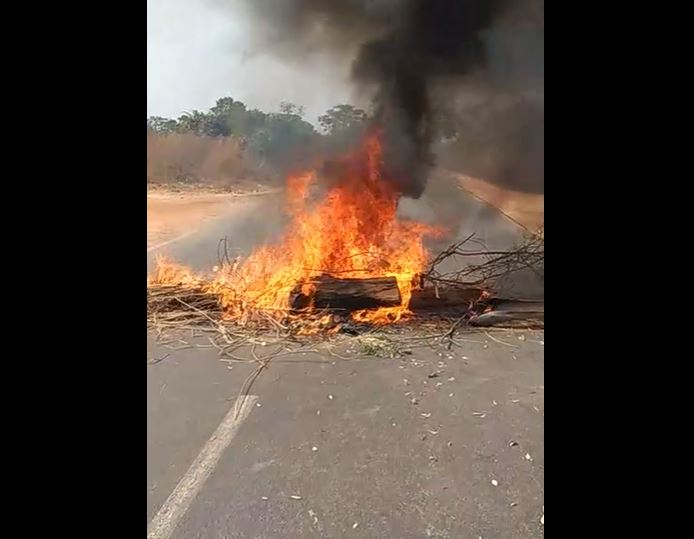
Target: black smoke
(416,56)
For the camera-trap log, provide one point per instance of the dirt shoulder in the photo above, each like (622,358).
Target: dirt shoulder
(526,209)
(174,212)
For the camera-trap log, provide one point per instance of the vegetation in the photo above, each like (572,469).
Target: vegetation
(231,142)
(191,147)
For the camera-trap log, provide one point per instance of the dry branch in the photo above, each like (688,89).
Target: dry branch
(180,305)
(462,295)
(529,254)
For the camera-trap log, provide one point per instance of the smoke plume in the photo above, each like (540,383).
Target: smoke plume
(426,64)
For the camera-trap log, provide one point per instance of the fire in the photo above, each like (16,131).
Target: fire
(352,231)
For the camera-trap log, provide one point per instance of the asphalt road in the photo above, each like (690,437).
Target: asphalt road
(337,448)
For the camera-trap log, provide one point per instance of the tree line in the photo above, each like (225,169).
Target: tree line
(276,138)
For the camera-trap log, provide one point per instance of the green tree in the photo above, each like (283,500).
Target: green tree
(228,117)
(342,118)
(290,108)
(225,105)
(161,125)
(278,139)
(283,138)
(191,122)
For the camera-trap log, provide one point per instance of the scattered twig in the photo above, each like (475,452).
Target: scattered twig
(499,340)
(156,360)
(451,332)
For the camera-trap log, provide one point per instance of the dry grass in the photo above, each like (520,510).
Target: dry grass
(190,180)
(185,157)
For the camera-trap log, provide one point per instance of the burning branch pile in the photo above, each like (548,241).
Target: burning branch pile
(346,261)
(174,305)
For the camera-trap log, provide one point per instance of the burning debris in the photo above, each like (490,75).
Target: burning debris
(346,251)
(345,262)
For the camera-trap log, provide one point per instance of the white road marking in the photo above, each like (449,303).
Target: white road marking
(164,243)
(164,522)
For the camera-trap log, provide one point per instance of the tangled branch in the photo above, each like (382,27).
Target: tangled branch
(529,254)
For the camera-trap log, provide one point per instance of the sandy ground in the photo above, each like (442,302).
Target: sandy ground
(526,209)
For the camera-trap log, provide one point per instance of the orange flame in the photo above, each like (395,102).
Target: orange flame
(351,232)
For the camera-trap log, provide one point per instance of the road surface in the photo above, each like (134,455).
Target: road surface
(334,448)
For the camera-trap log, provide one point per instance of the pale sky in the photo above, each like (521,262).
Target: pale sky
(198,52)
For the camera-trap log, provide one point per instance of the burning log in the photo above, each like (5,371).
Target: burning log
(432,298)
(326,292)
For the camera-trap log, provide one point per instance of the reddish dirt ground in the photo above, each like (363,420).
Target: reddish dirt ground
(526,209)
